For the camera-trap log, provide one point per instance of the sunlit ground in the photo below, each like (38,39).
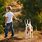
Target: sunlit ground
(19,37)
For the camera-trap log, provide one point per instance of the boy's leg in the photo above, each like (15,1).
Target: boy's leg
(12,29)
(6,30)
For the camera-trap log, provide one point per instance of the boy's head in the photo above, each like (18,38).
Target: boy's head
(8,8)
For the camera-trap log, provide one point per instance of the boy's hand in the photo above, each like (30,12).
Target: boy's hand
(19,20)
(5,24)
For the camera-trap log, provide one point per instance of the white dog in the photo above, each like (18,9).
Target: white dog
(28,30)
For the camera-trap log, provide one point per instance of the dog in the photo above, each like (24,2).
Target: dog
(28,30)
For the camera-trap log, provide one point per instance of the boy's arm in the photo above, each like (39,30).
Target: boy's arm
(6,19)
(14,18)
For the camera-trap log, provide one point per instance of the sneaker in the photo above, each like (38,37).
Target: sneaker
(12,36)
(5,36)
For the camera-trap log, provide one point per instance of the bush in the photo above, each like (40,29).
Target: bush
(1,29)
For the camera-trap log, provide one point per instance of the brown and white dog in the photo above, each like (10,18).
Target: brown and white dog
(28,30)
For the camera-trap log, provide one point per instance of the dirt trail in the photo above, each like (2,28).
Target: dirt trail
(36,38)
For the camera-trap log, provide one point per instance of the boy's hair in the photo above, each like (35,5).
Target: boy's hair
(9,7)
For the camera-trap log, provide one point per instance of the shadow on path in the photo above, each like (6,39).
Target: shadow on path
(11,39)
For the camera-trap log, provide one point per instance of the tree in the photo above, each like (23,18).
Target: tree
(32,9)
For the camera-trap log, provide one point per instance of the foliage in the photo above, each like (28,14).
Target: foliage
(32,9)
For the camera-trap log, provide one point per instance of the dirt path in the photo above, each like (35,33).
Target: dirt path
(17,38)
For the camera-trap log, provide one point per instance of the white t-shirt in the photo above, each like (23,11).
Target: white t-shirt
(10,16)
